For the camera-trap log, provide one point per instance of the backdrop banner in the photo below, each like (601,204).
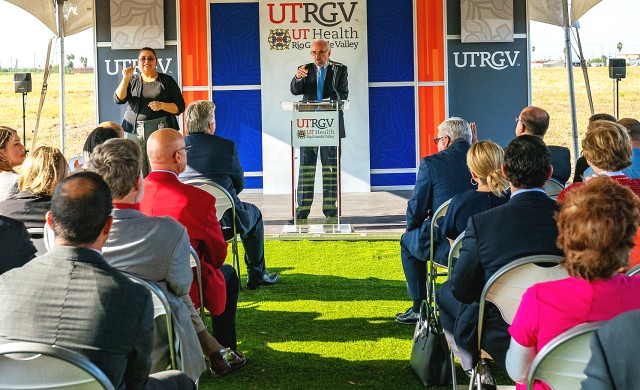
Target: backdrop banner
(286,32)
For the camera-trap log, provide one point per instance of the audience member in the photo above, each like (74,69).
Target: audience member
(484,160)
(121,133)
(440,177)
(40,173)
(96,137)
(633,130)
(17,248)
(607,149)
(581,163)
(12,154)
(157,249)
(194,208)
(214,158)
(523,226)
(72,298)
(595,250)
(535,121)
(614,353)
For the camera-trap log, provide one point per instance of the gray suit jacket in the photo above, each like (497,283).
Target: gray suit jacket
(157,249)
(72,298)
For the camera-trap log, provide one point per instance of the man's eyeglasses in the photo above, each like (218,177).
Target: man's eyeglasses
(437,139)
(517,119)
(143,59)
(321,52)
(186,148)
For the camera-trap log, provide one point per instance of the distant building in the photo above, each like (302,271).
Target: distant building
(632,59)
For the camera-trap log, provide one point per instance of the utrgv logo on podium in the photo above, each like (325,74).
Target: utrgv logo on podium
(497,60)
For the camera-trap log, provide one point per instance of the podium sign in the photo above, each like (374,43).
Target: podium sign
(315,128)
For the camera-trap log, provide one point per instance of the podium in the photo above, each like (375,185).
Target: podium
(315,135)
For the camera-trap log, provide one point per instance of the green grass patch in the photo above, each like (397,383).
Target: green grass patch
(328,323)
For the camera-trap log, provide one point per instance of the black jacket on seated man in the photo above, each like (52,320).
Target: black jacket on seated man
(16,248)
(561,162)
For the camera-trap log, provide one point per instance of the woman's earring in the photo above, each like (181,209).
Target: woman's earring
(475,183)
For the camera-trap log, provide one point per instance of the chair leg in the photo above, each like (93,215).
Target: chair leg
(454,378)
(236,258)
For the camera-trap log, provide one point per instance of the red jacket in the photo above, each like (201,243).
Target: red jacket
(164,195)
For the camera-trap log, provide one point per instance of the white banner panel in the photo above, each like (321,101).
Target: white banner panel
(293,27)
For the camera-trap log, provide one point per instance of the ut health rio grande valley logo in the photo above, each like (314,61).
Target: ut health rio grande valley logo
(279,39)
(301,134)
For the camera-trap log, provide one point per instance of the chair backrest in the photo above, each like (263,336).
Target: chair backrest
(160,308)
(41,366)
(195,262)
(553,188)
(440,212)
(562,361)
(506,287)
(633,271)
(37,238)
(224,201)
(454,253)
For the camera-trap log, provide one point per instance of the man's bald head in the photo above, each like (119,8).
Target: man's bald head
(166,150)
(535,121)
(114,126)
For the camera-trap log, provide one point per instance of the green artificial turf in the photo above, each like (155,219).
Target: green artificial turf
(328,323)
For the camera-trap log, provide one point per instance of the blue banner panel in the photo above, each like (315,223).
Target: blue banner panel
(392,127)
(393,179)
(238,118)
(235,49)
(390,29)
(253,182)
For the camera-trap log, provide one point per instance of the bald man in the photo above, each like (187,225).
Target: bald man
(535,121)
(194,208)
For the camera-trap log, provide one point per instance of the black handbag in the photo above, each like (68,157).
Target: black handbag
(430,357)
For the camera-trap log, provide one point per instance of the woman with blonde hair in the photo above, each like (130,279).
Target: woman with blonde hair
(41,172)
(596,226)
(484,160)
(12,154)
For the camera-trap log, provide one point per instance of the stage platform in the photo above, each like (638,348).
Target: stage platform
(379,215)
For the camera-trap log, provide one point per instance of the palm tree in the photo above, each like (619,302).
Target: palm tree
(619,46)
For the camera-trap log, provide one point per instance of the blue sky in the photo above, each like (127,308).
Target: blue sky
(608,23)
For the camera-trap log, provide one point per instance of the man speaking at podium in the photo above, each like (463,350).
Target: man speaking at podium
(318,80)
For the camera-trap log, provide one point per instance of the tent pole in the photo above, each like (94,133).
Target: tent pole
(572,97)
(59,9)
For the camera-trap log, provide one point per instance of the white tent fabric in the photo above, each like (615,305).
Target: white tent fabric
(551,11)
(78,14)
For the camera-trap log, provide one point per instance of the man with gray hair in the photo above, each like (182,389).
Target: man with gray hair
(440,177)
(214,158)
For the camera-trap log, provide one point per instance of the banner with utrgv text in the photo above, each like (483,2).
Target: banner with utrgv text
(287,30)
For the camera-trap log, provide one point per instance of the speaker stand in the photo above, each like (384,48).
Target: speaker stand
(24,118)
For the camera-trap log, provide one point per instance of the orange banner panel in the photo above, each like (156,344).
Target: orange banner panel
(430,30)
(193,42)
(431,106)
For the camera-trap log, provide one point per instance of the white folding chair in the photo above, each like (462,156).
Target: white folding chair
(553,188)
(561,362)
(433,266)
(454,253)
(37,238)
(195,262)
(633,271)
(506,287)
(160,308)
(224,201)
(25,365)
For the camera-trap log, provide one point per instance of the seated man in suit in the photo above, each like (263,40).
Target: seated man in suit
(523,226)
(614,352)
(156,249)
(216,159)
(165,195)
(535,121)
(77,301)
(440,177)
(16,248)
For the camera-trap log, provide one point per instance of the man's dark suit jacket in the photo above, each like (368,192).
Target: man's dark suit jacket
(524,226)
(16,248)
(614,359)
(440,177)
(561,161)
(336,86)
(72,298)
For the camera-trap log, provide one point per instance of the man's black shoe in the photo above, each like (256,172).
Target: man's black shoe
(264,280)
(300,221)
(409,317)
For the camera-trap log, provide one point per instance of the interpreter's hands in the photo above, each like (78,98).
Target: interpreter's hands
(128,72)
(302,72)
(474,132)
(156,105)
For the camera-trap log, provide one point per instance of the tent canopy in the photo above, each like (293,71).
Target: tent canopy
(550,11)
(78,14)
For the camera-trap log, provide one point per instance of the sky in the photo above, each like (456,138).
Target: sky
(24,38)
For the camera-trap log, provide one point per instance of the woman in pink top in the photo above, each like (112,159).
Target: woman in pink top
(596,226)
